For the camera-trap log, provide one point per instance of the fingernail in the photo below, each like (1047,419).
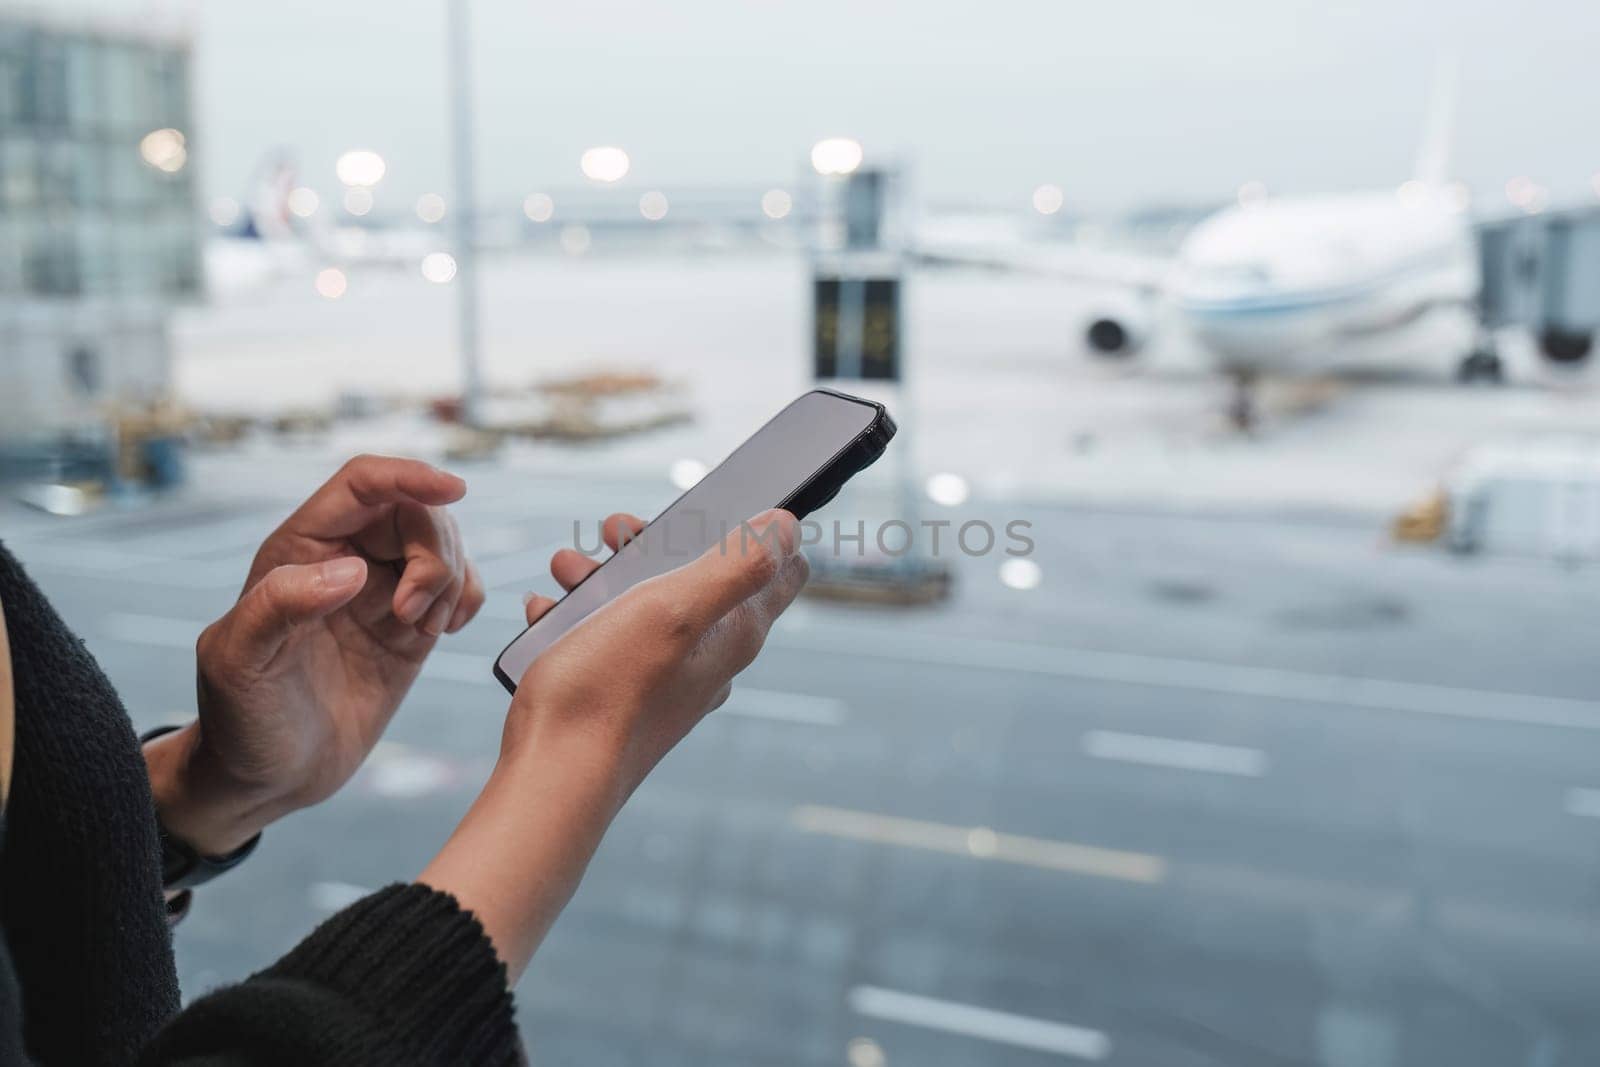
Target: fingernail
(412,607)
(527,598)
(437,618)
(341,572)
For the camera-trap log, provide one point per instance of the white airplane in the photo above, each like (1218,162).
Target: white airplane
(1384,282)
(270,241)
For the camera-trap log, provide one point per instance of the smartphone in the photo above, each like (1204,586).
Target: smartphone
(798,461)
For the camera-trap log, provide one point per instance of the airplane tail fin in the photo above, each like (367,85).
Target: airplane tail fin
(1433,154)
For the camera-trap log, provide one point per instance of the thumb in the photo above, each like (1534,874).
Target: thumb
(289,596)
(738,568)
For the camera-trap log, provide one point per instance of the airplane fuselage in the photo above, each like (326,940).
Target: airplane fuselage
(1298,285)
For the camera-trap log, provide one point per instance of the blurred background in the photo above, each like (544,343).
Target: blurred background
(1273,320)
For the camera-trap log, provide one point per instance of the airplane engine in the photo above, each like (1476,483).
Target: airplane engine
(1119,331)
(1566,347)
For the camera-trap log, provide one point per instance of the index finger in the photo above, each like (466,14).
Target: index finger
(365,486)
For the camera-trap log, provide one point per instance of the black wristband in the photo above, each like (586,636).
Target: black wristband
(182,866)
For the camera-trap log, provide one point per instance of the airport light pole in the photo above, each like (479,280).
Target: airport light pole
(460,61)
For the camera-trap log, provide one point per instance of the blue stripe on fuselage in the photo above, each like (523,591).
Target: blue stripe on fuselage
(1290,301)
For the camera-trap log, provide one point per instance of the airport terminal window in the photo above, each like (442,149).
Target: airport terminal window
(95,252)
(84,83)
(124,101)
(58,164)
(19,164)
(12,71)
(95,217)
(10,255)
(50,265)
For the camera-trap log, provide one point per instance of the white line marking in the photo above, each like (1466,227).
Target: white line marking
(1585,802)
(1124,668)
(768,704)
(776,706)
(980,842)
(968,1020)
(1171,752)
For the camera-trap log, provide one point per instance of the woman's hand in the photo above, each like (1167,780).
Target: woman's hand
(299,679)
(634,679)
(598,709)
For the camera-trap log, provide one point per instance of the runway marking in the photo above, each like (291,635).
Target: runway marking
(1585,802)
(776,706)
(770,704)
(981,843)
(1124,668)
(969,1020)
(1128,668)
(443,665)
(1172,752)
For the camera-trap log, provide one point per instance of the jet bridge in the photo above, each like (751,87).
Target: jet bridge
(1542,273)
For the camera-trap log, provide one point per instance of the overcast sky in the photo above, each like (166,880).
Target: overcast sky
(1120,103)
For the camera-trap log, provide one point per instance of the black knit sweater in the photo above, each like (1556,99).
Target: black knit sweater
(403,977)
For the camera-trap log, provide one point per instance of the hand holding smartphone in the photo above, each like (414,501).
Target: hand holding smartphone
(798,461)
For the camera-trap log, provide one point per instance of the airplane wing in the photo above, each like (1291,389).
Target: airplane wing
(1091,266)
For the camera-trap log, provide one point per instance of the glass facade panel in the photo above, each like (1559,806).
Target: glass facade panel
(86,212)
(85,76)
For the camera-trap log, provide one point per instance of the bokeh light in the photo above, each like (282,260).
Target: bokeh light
(776,203)
(1020,573)
(653,206)
(360,167)
(1527,194)
(358,200)
(332,283)
(605,163)
(303,202)
(1048,198)
(949,490)
(439,267)
(836,155)
(685,473)
(865,1052)
(539,207)
(575,239)
(430,207)
(165,149)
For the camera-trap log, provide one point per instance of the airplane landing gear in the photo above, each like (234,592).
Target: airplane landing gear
(1482,365)
(1242,401)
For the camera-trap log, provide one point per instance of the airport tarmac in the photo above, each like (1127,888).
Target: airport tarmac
(1000,389)
(1226,787)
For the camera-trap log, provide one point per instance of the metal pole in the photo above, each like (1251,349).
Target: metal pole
(466,211)
(905,455)
(850,323)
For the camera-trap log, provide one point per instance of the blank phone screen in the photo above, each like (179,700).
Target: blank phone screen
(762,473)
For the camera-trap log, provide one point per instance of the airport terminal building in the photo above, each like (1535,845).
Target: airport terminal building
(99,234)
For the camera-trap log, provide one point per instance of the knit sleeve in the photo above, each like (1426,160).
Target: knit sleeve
(402,977)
